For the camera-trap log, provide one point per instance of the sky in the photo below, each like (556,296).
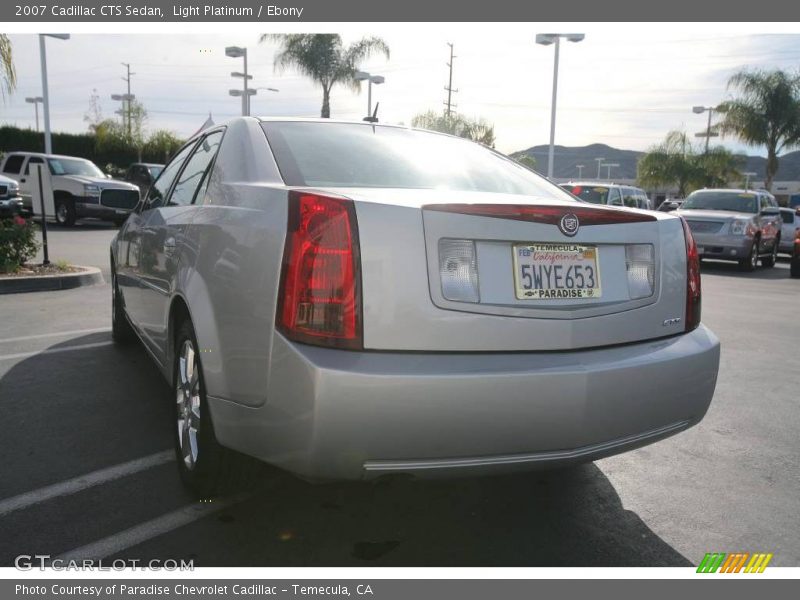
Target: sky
(625,85)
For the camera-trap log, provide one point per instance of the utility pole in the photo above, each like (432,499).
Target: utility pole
(127,102)
(449,86)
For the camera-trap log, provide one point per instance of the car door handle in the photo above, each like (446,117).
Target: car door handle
(22,180)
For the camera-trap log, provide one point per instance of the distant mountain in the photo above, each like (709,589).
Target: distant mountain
(567,159)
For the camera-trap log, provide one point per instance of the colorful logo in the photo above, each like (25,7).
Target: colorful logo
(734,563)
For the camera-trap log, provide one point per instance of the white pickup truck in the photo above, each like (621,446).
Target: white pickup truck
(80,188)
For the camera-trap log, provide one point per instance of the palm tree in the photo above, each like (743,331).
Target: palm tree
(668,163)
(8,75)
(765,113)
(323,58)
(477,130)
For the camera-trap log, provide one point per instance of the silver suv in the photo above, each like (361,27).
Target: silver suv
(733,224)
(80,188)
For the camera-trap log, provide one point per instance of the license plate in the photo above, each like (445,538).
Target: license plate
(556,271)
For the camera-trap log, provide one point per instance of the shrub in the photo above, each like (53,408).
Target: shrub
(17,243)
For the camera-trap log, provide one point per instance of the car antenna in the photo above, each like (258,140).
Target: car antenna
(374,117)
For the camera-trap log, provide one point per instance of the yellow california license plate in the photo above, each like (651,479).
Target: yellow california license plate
(545,271)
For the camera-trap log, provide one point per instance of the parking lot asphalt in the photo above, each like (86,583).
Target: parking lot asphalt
(85,436)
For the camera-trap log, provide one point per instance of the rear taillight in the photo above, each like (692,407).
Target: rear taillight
(693,292)
(320,297)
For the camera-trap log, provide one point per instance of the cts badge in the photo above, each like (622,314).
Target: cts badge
(569,224)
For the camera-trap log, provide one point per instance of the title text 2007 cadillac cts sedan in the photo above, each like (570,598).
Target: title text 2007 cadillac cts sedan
(349,300)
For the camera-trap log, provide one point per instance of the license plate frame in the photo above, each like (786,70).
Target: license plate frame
(571,256)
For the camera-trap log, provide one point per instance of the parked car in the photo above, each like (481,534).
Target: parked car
(789,229)
(80,188)
(670,205)
(733,224)
(142,175)
(352,300)
(609,193)
(794,265)
(10,201)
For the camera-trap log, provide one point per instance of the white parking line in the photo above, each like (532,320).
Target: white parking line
(54,334)
(137,534)
(54,350)
(77,484)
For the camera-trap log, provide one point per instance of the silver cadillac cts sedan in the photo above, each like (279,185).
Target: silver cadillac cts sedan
(350,300)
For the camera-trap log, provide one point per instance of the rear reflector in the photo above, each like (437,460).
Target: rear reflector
(693,292)
(319,300)
(547,214)
(641,267)
(458,270)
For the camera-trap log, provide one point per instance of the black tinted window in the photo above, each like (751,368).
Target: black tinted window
(195,170)
(355,155)
(160,188)
(787,216)
(13,164)
(588,193)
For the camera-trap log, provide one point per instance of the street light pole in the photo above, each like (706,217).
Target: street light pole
(370,79)
(35,101)
(580,171)
(546,39)
(236,52)
(599,162)
(698,110)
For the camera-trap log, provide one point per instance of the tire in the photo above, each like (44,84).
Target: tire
(794,269)
(773,257)
(65,212)
(119,222)
(751,262)
(121,330)
(205,467)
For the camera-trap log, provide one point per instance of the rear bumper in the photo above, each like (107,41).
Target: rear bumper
(728,247)
(348,415)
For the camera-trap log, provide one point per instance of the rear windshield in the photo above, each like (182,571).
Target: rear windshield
(355,155)
(735,201)
(594,194)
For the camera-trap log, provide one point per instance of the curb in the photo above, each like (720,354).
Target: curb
(49,283)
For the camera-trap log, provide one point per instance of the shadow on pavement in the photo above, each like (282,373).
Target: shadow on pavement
(69,413)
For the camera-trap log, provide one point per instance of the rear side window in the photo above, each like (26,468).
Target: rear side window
(787,216)
(160,188)
(365,155)
(190,179)
(13,164)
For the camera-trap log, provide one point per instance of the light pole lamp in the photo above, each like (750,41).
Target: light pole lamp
(699,110)
(545,39)
(376,79)
(747,176)
(36,100)
(236,52)
(48,142)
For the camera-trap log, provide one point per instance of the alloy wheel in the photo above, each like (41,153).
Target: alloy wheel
(61,213)
(754,254)
(188,401)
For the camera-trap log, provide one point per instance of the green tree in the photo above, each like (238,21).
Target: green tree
(8,75)
(162,143)
(477,130)
(676,162)
(764,112)
(325,59)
